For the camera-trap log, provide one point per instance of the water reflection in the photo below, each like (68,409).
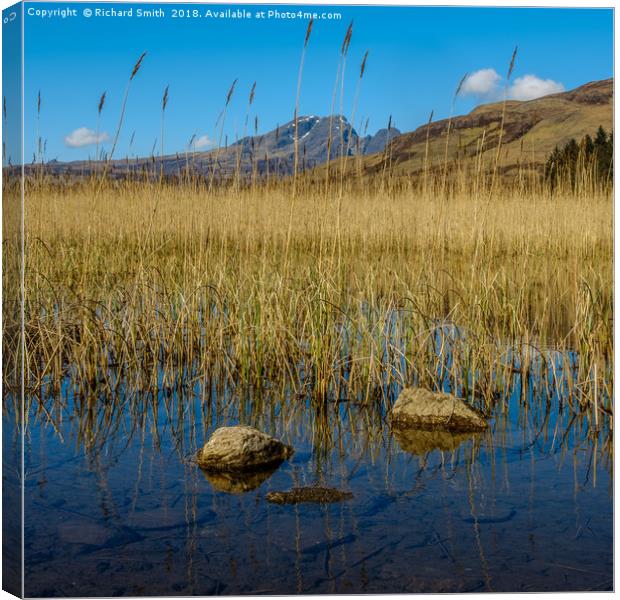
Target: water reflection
(115,504)
(240,481)
(422,442)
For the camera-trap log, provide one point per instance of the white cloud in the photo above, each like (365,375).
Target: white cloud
(529,87)
(483,83)
(85,137)
(202,142)
(487,84)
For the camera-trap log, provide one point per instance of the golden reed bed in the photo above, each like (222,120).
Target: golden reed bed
(136,285)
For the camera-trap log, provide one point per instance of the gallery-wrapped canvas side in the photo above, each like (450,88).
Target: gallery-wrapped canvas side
(12,302)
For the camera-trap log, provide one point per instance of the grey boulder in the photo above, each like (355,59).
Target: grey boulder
(241,448)
(419,408)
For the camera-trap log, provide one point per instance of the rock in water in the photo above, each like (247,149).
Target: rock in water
(417,408)
(241,448)
(316,494)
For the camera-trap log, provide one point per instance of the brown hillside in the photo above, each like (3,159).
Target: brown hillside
(532,129)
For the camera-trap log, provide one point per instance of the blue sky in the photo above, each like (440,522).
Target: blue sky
(416,58)
(11,85)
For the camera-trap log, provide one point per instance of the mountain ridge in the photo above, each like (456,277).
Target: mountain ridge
(532,129)
(269,153)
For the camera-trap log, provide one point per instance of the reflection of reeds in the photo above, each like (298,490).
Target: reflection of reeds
(388,483)
(345,436)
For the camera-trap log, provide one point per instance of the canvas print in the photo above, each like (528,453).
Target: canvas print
(306,299)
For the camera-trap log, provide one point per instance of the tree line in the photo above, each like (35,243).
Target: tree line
(590,159)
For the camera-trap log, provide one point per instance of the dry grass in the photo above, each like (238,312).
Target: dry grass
(153,286)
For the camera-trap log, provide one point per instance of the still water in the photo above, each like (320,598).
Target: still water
(116,506)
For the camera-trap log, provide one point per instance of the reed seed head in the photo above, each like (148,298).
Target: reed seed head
(512,62)
(363,67)
(101,103)
(252,91)
(230,92)
(137,66)
(308,31)
(164,100)
(459,87)
(347,40)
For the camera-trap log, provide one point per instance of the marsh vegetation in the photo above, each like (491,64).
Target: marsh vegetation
(147,286)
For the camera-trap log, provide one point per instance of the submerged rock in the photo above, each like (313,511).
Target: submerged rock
(418,408)
(241,448)
(316,494)
(418,441)
(238,482)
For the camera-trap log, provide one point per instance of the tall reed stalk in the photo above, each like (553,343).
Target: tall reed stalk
(221,119)
(240,147)
(297,97)
(164,104)
(296,142)
(337,81)
(353,113)
(344,50)
(39,158)
(110,155)
(503,119)
(426,166)
(452,105)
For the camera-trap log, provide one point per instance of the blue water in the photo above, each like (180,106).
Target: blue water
(116,506)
